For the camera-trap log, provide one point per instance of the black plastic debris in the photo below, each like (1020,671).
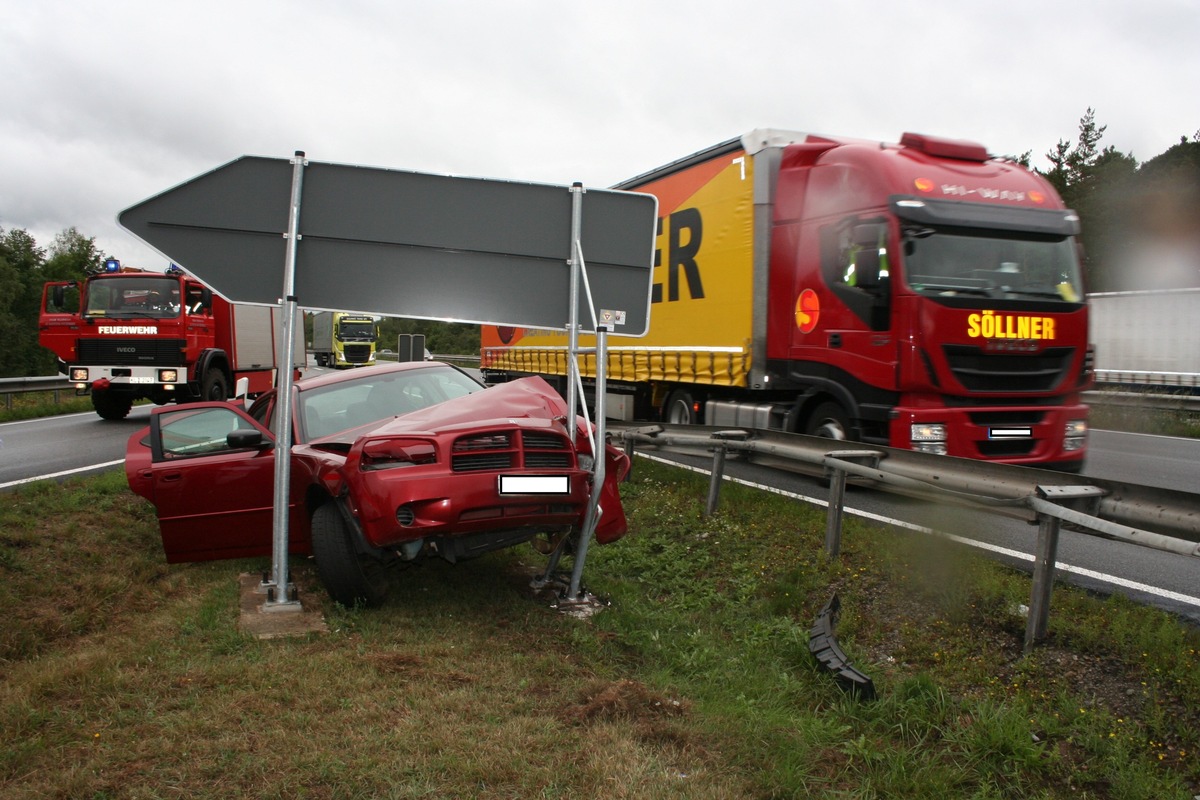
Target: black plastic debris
(823,645)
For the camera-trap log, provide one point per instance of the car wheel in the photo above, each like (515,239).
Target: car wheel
(829,421)
(680,408)
(214,385)
(350,577)
(110,405)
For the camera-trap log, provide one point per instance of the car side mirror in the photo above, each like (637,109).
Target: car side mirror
(246,438)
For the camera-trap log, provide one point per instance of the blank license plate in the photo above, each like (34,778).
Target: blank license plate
(1010,433)
(535,484)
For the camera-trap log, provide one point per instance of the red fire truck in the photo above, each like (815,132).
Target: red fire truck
(919,295)
(124,334)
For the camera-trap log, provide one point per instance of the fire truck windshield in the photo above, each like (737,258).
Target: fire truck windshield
(140,297)
(941,262)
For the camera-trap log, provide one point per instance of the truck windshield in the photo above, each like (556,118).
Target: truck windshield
(992,264)
(357,331)
(149,297)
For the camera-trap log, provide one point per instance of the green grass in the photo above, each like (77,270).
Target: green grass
(1138,419)
(122,676)
(32,405)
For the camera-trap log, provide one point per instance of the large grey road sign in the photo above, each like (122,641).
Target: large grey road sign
(407,244)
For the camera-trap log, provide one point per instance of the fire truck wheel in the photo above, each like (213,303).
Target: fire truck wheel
(214,386)
(111,406)
(829,421)
(349,577)
(680,408)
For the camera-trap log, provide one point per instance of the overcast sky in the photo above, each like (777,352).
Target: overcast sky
(104,104)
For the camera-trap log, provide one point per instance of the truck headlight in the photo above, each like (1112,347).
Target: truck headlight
(1075,437)
(928,437)
(168,375)
(79,374)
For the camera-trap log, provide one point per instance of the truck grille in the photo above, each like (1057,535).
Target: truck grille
(131,352)
(357,353)
(506,450)
(981,371)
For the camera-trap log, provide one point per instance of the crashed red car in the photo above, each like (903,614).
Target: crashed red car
(389,463)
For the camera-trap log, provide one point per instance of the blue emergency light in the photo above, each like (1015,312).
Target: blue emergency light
(112,265)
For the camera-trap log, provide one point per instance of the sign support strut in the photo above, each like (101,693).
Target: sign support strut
(280,596)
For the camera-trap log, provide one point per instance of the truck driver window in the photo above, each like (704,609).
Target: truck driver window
(857,266)
(864,256)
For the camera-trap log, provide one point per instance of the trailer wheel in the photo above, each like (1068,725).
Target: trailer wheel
(829,421)
(680,408)
(110,405)
(214,385)
(350,577)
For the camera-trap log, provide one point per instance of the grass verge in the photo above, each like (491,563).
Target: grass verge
(123,676)
(32,405)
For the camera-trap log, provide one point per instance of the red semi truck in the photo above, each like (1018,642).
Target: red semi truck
(124,334)
(920,295)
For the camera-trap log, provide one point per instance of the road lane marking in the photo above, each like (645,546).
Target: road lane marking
(64,473)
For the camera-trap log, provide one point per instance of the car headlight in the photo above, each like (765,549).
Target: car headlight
(399,452)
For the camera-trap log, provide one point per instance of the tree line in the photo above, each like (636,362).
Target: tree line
(1141,230)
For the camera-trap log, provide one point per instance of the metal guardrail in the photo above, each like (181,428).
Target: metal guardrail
(1159,398)
(1162,519)
(51,383)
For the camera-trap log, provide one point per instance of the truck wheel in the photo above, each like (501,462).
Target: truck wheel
(829,421)
(110,405)
(214,385)
(680,408)
(349,577)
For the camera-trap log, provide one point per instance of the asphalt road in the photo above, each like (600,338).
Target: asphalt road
(82,443)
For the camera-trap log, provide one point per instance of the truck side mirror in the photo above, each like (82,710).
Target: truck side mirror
(58,296)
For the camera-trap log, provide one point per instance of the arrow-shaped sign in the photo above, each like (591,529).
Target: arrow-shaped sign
(407,244)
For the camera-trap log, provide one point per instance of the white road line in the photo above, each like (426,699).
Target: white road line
(65,472)
(1087,573)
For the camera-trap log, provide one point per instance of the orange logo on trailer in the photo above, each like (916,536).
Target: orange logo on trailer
(808,311)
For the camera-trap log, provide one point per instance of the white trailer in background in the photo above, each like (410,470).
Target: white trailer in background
(1147,338)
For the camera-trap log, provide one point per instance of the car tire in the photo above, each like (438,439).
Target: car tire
(350,577)
(110,405)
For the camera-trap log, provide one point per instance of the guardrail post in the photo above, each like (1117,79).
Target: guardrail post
(1045,559)
(837,494)
(718,467)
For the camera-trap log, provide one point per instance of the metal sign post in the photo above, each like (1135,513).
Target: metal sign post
(280,596)
(575,393)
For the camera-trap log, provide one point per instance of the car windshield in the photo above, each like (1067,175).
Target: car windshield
(940,262)
(370,397)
